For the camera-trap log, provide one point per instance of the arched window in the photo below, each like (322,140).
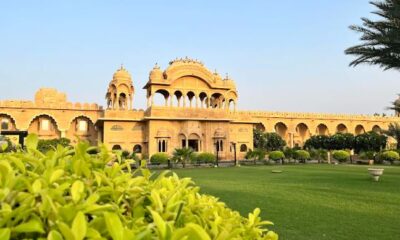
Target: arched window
(162,145)
(137,148)
(116,147)
(243,148)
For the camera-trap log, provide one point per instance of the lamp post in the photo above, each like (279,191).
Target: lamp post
(217,148)
(234,151)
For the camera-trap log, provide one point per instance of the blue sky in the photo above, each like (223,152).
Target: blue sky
(284,55)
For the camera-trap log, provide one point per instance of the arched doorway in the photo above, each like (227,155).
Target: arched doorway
(359,129)
(322,129)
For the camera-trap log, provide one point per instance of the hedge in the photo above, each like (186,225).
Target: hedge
(159,158)
(205,157)
(341,155)
(70,194)
(301,155)
(276,155)
(390,156)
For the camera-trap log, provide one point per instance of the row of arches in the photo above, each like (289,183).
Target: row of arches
(304,131)
(190,99)
(47,127)
(136,148)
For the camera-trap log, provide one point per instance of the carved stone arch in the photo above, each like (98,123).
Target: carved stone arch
(359,129)
(44,114)
(377,129)
(82,127)
(260,126)
(175,72)
(12,122)
(50,128)
(341,128)
(303,131)
(322,129)
(281,129)
(157,98)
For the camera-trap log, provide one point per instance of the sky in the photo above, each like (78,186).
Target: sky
(285,55)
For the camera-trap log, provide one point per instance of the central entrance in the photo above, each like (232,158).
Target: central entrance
(192,142)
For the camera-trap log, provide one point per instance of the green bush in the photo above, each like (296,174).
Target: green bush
(70,194)
(256,154)
(276,155)
(390,156)
(302,155)
(50,144)
(341,155)
(205,157)
(159,158)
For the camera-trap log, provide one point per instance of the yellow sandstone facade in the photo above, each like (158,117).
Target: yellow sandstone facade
(198,111)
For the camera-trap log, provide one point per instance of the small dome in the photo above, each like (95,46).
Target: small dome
(219,133)
(156,74)
(162,133)
(122,74)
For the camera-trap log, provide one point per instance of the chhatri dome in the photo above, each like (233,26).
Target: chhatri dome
(156,74)
(122,74)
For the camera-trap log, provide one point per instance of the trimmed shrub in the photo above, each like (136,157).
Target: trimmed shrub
(159,158)
(276,155)
(302,155)
(256,154)
(205,157)
(341,155)
(70,194)
(390,156)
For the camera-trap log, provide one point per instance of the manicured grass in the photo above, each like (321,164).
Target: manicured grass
(311,201)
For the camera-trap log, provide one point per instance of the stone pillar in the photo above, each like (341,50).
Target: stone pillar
(291,140)
(63,133)
(170,101)
(184,100)
(166,101)
(130,103)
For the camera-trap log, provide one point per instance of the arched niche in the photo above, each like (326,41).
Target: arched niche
(7,123)
(45,126)
(341,128)
(82,128)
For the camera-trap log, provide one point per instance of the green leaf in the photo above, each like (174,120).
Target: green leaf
(66,232)
(114,226)
(33,225)
(5,233)
(56,175)
(54,235)
(160,223)
(79,226)
(36,186)
(31,141)
(191,231)
(77,190)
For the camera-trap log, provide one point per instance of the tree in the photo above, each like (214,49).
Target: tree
(183,155)
(394,131)
(341,141)
(370,141)
(267,141)
(380,39)
(317,142)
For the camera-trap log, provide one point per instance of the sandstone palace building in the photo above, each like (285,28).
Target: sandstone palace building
(199,111)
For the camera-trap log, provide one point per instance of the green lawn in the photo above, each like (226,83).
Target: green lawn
(311,201)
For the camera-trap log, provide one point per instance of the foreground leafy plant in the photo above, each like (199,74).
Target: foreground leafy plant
(70,194)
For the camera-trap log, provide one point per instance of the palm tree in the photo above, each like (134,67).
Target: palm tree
(395,106)
(394,131)
(182,155)
(380,39)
